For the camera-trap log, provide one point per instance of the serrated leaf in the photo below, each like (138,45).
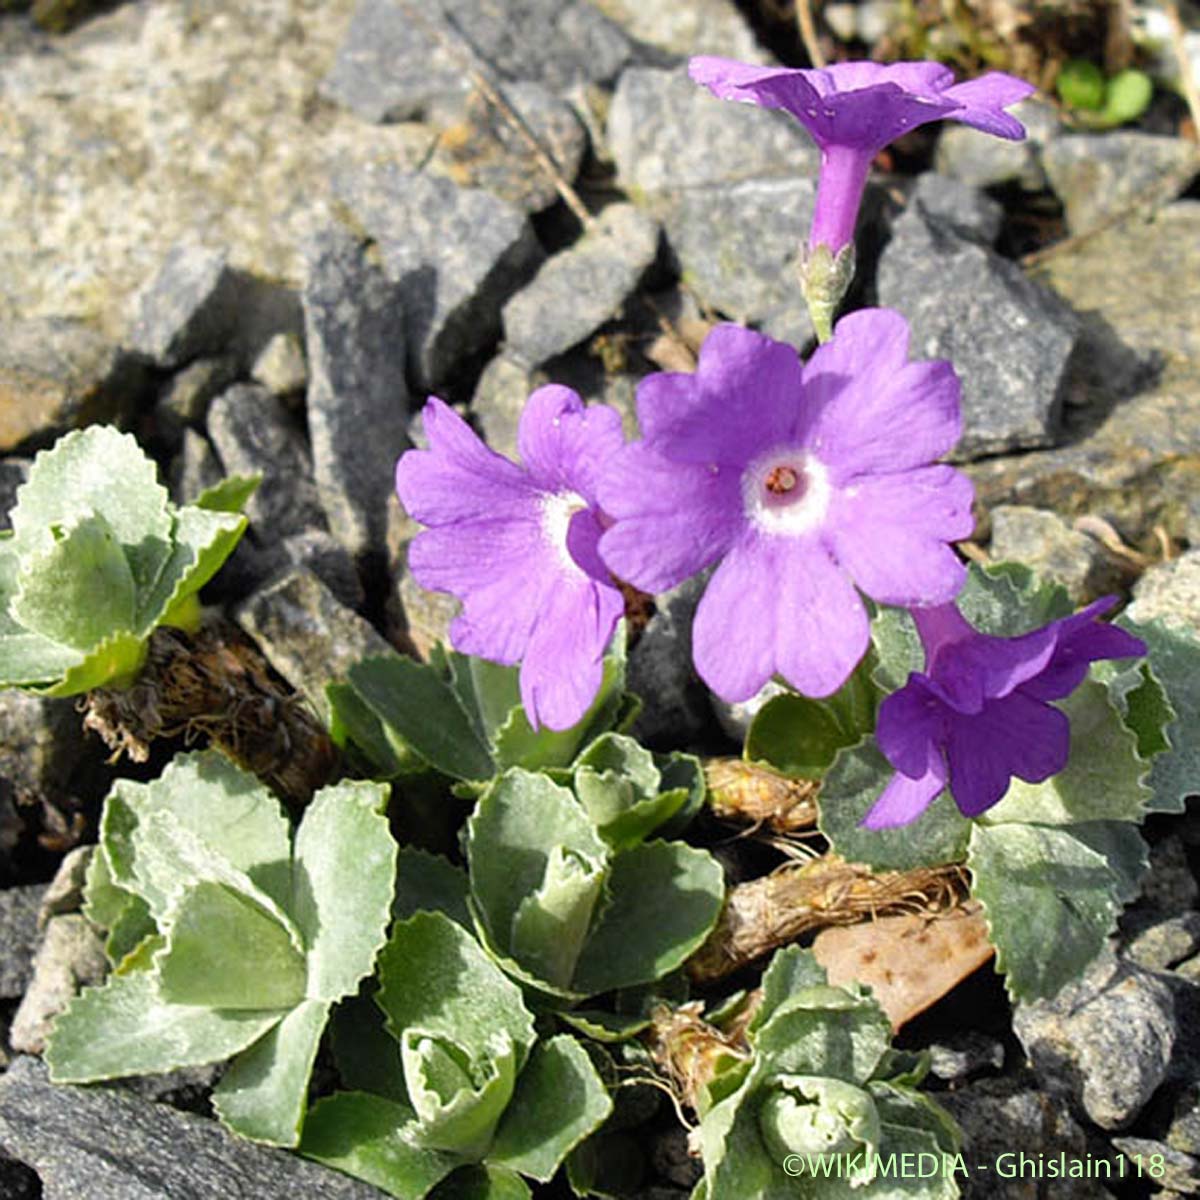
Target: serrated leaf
(559,1100)
(229,809)
(827,1031)
(26,659)
(97,470)
(1123,848)
(114,662)
(224,951)
(664,899)
(413,701)
(850,788)
(373,1139)
(795,735)
(229,495)
(482,1181)
(125,1028)
(791,971)
(343,872)
(263,1095)
(429,883)
(1174,657)
(1102,780)
(355,728)
(516,824)
(434,977)
(1141,700)
(1041,888)
(600,1026)
(77,589)
(898,649)
(1008,599)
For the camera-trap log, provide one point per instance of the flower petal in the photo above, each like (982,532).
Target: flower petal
(778,604)
(458,478)
(910,727)
(563,444)
(890,532)
(1015,736)
(671,519)
(564,664)
(905,799)
(862,388)
(921,78)
(984,100)
(745,396)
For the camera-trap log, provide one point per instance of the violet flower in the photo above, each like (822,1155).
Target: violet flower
(981,712)
(802,481)
(853,110)
(518,545)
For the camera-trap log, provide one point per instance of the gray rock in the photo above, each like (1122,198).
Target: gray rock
(306,634)
(1171,1168)
(457,254)
(1184,1131)
(105,1144)
(666,132)
(1044,541)
(981,160)
(402,60)
(421,618)
(680,30)
(56,375)
(18,937)
(183,402)
(504,386)
(357,398)
(488,150)
(739,246)
(41,746)
(579,289)
(189,309)
(70,956)
(963,209)
(1162,945)
(64,893)
(676,708)
(1004,1117)
(1105,1041)
(13,473)
(1098,176)
(1170,886)
(281,366)
(194,468)
(961,1055)
(1170,592)
(1010,339)
(253,431)
(1131,456)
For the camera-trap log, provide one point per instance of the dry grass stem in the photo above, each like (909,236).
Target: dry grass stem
(759,796)
(764,914)
(807,25)
(689,1052)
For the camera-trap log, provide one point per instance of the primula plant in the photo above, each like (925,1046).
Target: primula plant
(476,1012)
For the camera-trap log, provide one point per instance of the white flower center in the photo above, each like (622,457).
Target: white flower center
(786,491)
(557,510)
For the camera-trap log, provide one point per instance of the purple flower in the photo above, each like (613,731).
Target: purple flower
(518,545)
(802,481)
(854,109)
(981,712)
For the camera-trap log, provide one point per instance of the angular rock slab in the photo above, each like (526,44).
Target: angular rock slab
(666,132)
(357,396)
(18,937)
(680,30)
(106,1144)
(582,287)
(457,254)
(1010,339)
(402,58)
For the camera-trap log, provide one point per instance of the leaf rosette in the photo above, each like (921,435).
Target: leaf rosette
(98,556)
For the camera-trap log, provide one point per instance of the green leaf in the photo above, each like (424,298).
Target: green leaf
(797,736)
(1123,848)
(1080,84)
(264,1093)
(230,494)
(482,1181)
(897,645)
(125,1028)
(343,873)
(374,1139)
(559,1100)
(1127,97)
(664,899)
(790,972)
(1050,902)
(419,707)
(600,1026)
(1101,781)
(516,825)
(97,470)
(434,977)
(1174,657)
(354,727)
(77,589)
(27,659)
(224,951)
(850,789)
(114,662)
(429,883)
(1008,599)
